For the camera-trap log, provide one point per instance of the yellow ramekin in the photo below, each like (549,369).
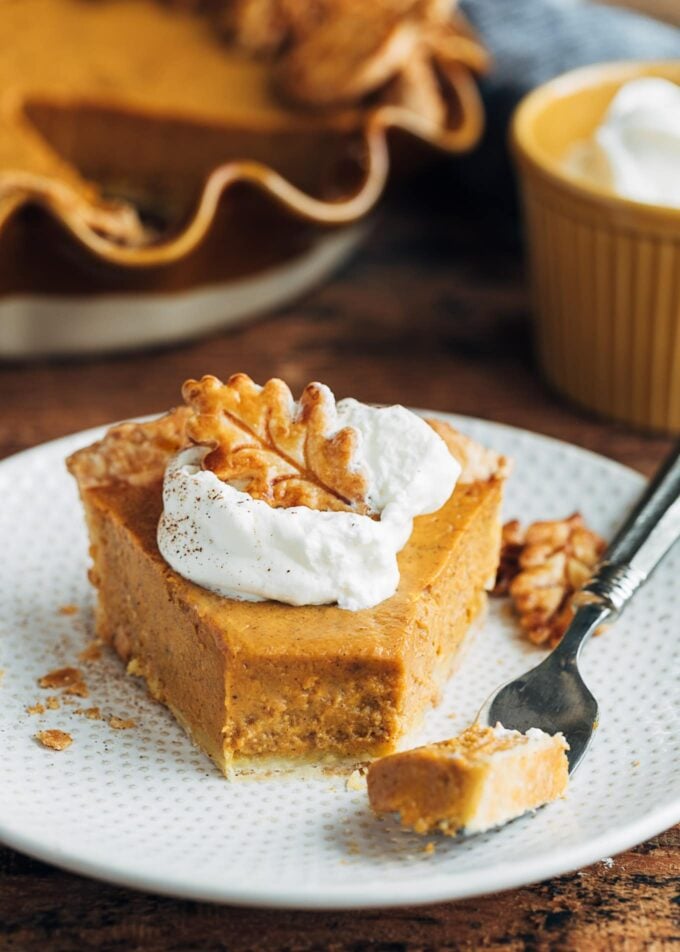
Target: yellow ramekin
(605,271)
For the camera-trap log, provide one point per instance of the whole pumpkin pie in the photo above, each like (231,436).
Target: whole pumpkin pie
(145,99)
(259,680)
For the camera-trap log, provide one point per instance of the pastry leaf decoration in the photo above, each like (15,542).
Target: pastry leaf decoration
(264,443)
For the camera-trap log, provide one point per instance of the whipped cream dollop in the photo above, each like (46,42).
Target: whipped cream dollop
(635,151)
(226,541)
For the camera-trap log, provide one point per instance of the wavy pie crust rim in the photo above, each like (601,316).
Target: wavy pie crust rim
(100,230)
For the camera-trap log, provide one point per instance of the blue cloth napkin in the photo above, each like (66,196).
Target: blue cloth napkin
(531,41)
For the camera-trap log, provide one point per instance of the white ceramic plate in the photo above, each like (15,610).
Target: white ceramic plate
(142,807)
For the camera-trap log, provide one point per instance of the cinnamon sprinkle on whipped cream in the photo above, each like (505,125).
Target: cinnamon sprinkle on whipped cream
(217,535)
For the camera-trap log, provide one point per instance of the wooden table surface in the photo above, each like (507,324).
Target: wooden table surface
(432,312)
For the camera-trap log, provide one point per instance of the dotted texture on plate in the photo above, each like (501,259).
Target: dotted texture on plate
(142,806)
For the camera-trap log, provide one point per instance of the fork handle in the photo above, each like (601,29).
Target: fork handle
(642,541)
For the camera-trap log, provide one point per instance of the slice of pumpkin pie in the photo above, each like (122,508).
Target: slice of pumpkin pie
(478,780)
(293,579)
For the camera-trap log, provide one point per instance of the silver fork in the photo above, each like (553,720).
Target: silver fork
(553,695)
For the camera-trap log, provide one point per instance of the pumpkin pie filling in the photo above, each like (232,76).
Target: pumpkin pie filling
(256,681)
(113,106)
(478,780)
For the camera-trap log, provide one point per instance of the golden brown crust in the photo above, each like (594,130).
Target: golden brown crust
(359,47)
(291,31)
(54,739)
(336,52)
(121,724)
(91,713)
(257,26)
(266,27)
(61,678)
(398,50)
(117,220)
(416,88)
(91,652)
(283,452)
(451,44)
(134,453)
(478,464)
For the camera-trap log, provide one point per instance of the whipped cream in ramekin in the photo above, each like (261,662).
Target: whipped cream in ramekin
(226,541)
(635,152)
